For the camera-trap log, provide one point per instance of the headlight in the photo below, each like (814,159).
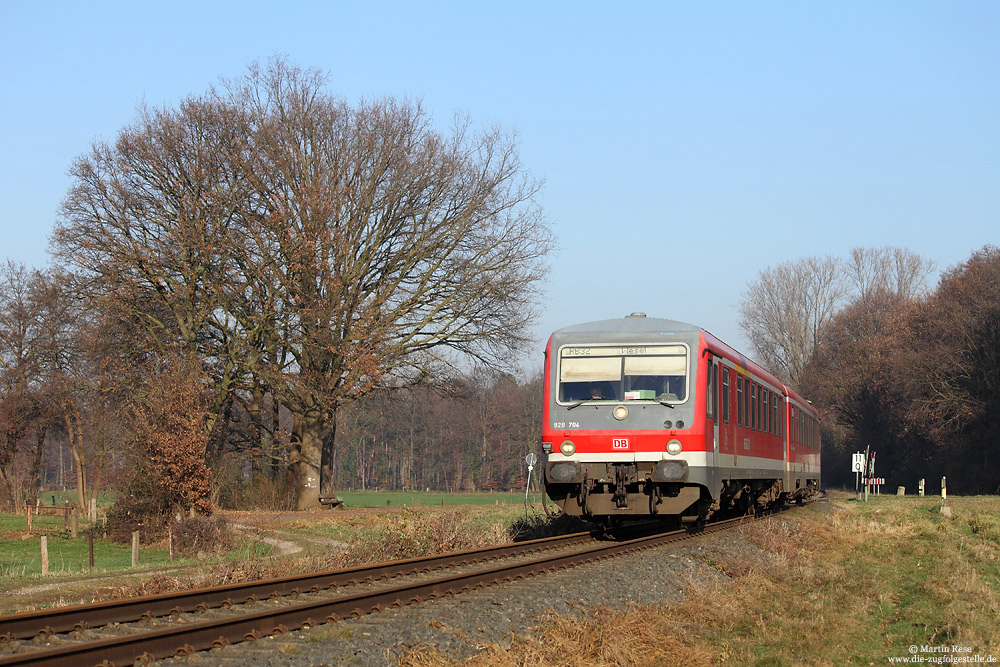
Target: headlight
(567,448)
(620,413)
(674,447)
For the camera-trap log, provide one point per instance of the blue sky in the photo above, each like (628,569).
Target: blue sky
(685,146)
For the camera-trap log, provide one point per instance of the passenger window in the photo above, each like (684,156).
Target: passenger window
(725,395)
(746,403)
(739,400)
(715,389)
(766,410)
(781,415)
(710,390)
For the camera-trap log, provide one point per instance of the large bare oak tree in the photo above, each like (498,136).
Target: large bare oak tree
(311,248)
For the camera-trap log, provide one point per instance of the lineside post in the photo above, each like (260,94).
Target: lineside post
(945,509)
(868,471)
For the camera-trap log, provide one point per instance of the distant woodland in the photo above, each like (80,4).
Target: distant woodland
(912,372)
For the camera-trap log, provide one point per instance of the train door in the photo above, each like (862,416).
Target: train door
(712,405)
(790,434)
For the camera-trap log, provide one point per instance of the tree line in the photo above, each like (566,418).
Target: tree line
(909,370)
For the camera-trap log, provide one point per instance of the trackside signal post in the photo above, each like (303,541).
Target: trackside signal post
(863,467)
(944,497)
(857,467)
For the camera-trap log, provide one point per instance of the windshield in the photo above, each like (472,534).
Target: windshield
(616,373)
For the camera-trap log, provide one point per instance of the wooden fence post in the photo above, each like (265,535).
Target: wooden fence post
(135,549)
(45,555)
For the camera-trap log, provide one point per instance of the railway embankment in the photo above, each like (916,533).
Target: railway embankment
(837,582)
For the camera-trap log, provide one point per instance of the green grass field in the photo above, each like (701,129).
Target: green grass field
(20,552)
(104,498)
(22,557)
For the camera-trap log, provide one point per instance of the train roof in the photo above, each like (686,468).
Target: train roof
(634,323)
(640,323)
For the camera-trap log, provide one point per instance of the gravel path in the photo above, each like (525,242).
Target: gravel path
(459,626)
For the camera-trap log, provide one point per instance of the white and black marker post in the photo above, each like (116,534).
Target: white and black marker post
(868,473)
(530,459)
(857,467)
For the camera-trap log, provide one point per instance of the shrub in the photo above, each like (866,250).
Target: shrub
(536,527)
(197,535)
(138,508)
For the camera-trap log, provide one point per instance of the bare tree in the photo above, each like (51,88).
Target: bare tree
(144,223)
(785,309)
(383,247)
(308,248)
(20,372)
(897,271)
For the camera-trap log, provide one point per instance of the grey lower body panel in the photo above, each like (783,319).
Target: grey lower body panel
(668,488)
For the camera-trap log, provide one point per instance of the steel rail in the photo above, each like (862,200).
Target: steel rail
(25,625)
(191,637)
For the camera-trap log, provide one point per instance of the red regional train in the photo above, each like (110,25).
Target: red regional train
(652,417)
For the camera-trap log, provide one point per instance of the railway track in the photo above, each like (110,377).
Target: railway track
(240,612)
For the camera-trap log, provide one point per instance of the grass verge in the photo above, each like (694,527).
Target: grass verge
(858,583)
(335,539)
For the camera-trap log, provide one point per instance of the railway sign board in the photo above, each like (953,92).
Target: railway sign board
(858,462)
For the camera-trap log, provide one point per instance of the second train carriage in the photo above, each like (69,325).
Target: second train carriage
(645,416)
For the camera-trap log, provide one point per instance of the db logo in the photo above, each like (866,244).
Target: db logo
(619,443)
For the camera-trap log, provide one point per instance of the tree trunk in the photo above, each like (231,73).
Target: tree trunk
(98,470)
(328,464)
(74,428)
(312,460)
(36,465)
(255,410)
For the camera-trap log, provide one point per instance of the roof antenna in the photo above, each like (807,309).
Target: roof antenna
(637,315)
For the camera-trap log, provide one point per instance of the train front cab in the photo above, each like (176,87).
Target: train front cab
(621,431)
(710,433)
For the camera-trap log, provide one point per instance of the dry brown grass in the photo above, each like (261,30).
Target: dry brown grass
(600,637)
(411,533)
(395,536)
(853,585)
